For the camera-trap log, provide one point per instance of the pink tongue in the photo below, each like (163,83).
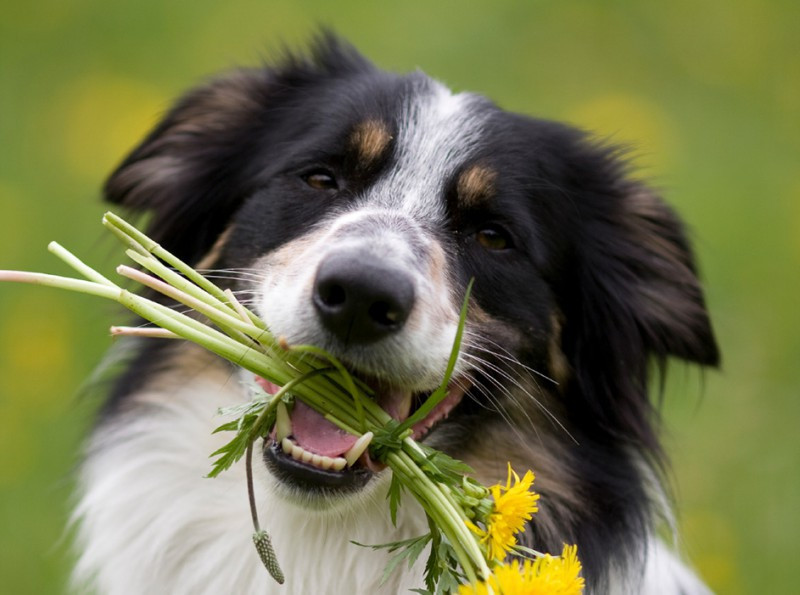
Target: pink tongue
(316,434)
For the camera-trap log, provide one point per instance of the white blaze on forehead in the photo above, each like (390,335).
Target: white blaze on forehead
(437,132)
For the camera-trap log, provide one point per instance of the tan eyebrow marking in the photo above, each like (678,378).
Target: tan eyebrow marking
(370,139)
(475,185)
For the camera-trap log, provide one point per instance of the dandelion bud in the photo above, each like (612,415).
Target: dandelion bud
(474,489)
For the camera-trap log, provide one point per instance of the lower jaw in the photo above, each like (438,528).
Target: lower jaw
(313,479)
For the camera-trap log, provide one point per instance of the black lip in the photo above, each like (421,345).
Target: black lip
(312,478)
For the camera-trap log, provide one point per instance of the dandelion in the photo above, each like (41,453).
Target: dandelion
(514,505)
(546,575)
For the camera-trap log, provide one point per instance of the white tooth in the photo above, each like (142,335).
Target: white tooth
(297,452)
(405,405)
(351,456)
(286,445)
(338,464)
(306,456)
(325,462)
(283,425)
(316,460)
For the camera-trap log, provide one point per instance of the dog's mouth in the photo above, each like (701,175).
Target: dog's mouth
(309,451)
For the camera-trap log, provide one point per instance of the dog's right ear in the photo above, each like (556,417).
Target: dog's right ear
(182,174)
(190,173)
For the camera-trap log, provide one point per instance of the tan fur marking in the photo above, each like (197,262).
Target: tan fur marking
(370,138)
(559,366)
(541,452)
(185,361)
(476,185)
(213,255)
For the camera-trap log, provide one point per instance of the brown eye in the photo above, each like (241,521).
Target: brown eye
(493,238)
(321,180)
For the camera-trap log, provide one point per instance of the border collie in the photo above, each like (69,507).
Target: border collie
(350,207)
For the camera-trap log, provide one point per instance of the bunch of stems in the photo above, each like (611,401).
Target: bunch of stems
(309,373)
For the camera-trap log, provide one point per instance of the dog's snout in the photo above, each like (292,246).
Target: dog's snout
(360,298)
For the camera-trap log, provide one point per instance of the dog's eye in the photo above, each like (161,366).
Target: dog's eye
(321,179)
(493,238)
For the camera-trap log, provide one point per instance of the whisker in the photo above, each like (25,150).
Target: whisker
(511,363)
(507,355)
(486,365)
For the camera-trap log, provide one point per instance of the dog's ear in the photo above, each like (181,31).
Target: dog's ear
(182,173)
(200,162)
(634,296)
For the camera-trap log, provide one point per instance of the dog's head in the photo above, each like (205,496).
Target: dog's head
(352,207)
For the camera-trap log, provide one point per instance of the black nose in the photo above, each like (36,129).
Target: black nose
(360,298)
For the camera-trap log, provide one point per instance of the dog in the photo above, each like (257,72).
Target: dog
(350,207)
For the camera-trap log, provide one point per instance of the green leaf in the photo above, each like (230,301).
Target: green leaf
(408,549)
(385,440)
(440,393)
(439,466)
(247,433)
(433,564)
(395,491)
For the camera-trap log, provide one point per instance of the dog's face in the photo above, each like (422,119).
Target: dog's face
(353,207)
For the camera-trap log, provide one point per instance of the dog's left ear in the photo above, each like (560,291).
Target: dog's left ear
(182,173)
(640,258)
(633,295)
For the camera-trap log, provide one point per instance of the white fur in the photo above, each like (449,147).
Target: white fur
(151,522)
(437,133)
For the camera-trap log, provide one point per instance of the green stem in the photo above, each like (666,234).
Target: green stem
(346,378)
(429,496)
(77,264)
(128,230)
(68,283)
(231,325)
(178,282)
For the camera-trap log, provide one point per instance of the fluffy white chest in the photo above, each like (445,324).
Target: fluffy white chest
(151,522)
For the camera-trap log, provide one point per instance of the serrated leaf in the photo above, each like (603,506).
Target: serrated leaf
(432,564)
(228,427)
(395,491)
(235,449)
(415,549)
(447,582)
(408,549)
(441,467)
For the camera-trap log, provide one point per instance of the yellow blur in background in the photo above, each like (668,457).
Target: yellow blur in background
(706,92)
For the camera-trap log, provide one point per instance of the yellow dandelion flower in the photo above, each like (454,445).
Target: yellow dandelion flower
(514,505)
(546,575)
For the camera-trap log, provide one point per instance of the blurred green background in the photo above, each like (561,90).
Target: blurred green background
(708,92)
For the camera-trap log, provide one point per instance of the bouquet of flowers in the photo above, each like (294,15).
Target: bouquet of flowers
(472,528)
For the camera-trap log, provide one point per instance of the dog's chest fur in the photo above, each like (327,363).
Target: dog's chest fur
(153,523)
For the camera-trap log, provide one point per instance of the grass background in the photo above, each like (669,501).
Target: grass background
(709,92)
